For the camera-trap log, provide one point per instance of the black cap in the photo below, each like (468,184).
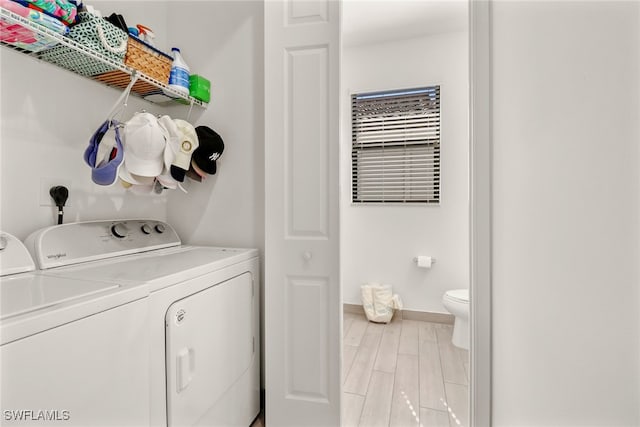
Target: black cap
(210,148)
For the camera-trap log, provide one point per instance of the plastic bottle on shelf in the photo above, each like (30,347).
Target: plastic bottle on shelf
(179,76)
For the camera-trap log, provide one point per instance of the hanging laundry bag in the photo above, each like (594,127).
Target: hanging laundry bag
(379,302)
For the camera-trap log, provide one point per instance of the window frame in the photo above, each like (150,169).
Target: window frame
(418,147)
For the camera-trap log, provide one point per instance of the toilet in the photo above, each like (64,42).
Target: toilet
(456,302)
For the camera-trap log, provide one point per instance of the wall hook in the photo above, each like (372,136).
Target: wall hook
(121,103)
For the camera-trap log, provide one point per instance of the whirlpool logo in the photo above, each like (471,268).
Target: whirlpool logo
(180,316)
(56,256)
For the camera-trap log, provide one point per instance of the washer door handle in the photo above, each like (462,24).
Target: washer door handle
(184,368)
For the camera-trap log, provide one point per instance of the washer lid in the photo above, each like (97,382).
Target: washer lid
(159,268)
(460,295)
(25,293)
(34,302)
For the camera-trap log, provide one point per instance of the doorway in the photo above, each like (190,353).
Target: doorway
(406,372)
(303,304)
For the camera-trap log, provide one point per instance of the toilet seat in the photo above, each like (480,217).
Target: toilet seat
(458,295)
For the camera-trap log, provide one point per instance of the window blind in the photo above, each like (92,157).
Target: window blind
(395,152)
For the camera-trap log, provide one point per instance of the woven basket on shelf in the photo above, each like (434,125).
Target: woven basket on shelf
(96,34)
(148,60)
(121,80)
(144,58)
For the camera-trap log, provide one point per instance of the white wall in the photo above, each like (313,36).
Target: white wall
(49,114)
(46,119)
(378,243)
(566,216)
(224,42)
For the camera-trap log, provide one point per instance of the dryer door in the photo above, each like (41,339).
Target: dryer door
(210,347)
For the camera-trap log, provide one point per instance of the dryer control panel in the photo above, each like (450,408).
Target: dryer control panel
(78,242)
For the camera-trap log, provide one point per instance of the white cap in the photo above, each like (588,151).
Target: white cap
(167,180)
(133,179)
(173,137)
(188,144)
(144,144)
(182,140)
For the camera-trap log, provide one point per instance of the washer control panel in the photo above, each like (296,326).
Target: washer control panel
(87,241)
(14,257)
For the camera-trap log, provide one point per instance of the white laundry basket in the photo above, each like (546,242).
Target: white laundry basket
(379,302)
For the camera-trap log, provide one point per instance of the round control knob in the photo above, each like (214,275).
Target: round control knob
(146,229)
(119,230)
(160,228)
(3,242)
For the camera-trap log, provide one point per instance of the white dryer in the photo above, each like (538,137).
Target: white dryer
(72,351)
(203,318)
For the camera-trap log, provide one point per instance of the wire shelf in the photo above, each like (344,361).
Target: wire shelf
(21,31)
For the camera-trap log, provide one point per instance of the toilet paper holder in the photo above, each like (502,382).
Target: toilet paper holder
(415,260)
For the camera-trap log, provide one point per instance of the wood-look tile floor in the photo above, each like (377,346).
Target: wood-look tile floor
(403,374)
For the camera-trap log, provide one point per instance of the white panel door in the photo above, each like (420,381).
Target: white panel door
(302,293)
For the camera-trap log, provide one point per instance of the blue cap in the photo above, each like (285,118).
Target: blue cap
(106,171)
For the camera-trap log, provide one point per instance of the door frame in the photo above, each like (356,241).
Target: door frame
(480,179)
(480,222)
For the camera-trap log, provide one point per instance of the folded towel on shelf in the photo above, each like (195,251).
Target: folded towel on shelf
(63,10)
(21,36)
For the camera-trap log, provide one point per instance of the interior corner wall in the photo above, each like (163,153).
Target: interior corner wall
(47,117)
(378,243)
(566,213)
(223,42)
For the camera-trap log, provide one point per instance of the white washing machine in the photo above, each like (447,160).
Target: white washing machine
(203,313)
(73,352)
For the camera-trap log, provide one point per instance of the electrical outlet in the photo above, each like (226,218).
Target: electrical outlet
(45,185)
